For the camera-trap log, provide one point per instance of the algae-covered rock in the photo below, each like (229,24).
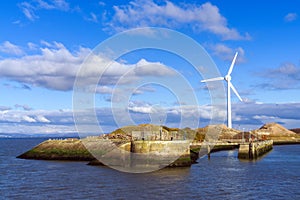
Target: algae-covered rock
(67,149)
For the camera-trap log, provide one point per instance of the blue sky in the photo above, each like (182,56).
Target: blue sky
(44,42)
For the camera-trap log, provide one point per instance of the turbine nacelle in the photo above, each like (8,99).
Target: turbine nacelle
(227,78)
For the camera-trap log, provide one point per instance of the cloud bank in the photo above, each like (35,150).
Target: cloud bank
(284,77)
(143,13)
(245,115)
(55,67)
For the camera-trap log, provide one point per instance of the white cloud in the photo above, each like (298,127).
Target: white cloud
(291,17)
(47,44)
(190,111)
(42,119)
(93,18)
(145,68)
(104,90)
(61,5)
(287,68)
(61,130)
(250,115)
(143,13)
(44,5)
(9,48)
(141,109)
(53,68)
(28,119)
(29,9)
(32,46)
(35,116)
(286,76)
(227,53)
(56,67)
(256,114)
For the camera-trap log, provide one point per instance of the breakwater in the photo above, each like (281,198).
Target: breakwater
(118,153)
(253,150)
(130,154)
(164,152)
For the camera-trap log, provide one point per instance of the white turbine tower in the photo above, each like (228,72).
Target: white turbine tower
(229,86)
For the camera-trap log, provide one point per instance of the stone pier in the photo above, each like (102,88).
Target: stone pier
(253,150)
(172,153)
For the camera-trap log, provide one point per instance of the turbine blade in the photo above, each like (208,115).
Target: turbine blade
(234,90)
(213,79)
(232,64)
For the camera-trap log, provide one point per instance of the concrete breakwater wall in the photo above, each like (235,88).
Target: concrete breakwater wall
(171,153)
(145,156)
(124,154)
(139,155)
(254,150)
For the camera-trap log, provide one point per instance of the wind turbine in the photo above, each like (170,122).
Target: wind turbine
(227,78)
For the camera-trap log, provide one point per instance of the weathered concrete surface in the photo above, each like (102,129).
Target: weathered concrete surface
(118,153)
(147,155)
(244,151)
(254,150)
(162,152)
(201,149)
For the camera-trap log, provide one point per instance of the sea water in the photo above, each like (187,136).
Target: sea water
(223,176)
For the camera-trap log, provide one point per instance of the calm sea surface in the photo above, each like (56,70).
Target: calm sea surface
(275,176)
